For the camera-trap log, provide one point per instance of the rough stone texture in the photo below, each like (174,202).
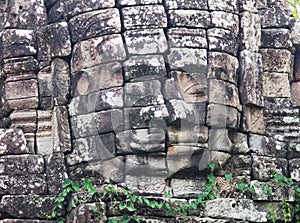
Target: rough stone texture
(179,4)
(184,37)
(148,16)
(189,18)
(276,17)
(276,85)
(276,60)
(44,139)
(12,141)
(223,116)
(219,140)
(276,38)
(253,120)
(192,187)
(295,91)
(146,184)
(86,213)
(25,120)
(227,6)
(94,24)
(139,2)
(225,20)
(183,134)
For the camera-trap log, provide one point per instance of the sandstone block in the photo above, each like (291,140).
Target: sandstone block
(295,90)
(250,31)
(257,143)
(25,120)
(141,140)
(18,42)
(189,18)
(57,12)
(110,48)
(93,24)
(44,138)
(277,60)
(184,37)
(171,90)
(276,38)
(146,184)
(19,65)
(276,85)
(225,20)
(192,187)
(86,213)
(248,5)
(251,78)
(148,41)
(109,121)
(219,140)
(143,93)
(144,67)
(226,6)
(222,66)
(139,2)
(190,4)
(274,17)
(24,103)
(223,116)
(294,168)
(188,59)
(146,16)
(58,45)
(45,84)
(224,93)
(21,89)
(21,165)
(187,134)
(222,40)
(240,142)
(97,78)
(253,120)
(84,125)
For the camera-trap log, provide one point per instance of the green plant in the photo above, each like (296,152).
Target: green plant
(294,6)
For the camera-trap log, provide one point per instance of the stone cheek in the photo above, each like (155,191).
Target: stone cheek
(98,50)
(94,24)
(148,16)
(276,85)
(184,37)
(189,18)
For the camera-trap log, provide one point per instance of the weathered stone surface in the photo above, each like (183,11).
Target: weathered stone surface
(184,37)
(188,59)
(53,41)
(21,89)
(56,173)
(25,221)
(97,78)
(85,213)
(19,65)
(109,121)
(263,167)
(26,15)
(98,50)
(222,66)
(276,60)
(44,138)
(143,93)
(234,209)
(251,78)
(25,120)
(24,184)
(193,86)
(141,140)
(187,134)
(180,4)
(296,70)
(18,42)
(219,140)
(253,120)
(146,41)
(154,116)
(146,184)
(274,17)
(45,84)
(257,143)
(61,130)
(221,160)
(144,67)
(226,6)
(171,90)
(27,206)
(139,2)
(93,148)
(276,38)
(75,7)
(223,116)
(192,187)
(24,103)
(250,31)
(84,125)
(60,73)
(294,169)
(146,16)
(222,40)
(224,93)
(248,5)
(94,24)
(31,141)
(21,164)
(240,142)
(295,32)
(225,20)
(295,90)
(276,85)
(189,18)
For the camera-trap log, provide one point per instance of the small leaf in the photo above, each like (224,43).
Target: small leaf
(66,183)
(212,165)
(228,176)
(75,186)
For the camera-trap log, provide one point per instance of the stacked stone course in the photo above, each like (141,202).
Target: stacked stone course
(147,93)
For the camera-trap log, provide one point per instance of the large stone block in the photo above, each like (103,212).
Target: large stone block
(224,93)
(97,78)
(276,85)
(253,120)
(144,67)
(243,209)
(146,184)
(139,2)
(226,6)
(184,37)
(223,116)
(222,66)
(189,18)
(240,143)
(148,41)
(146,16)
(190,4)
(21,89)
(187,187)
(143,93)
(44,138)
(21,165)
(222,40)
(84,125)
(250,31)
(188,134)
(277,60)
(219,140)
(141,140)
(105,49)
(56,12)
(25,120)
(276,38)
(85,213)
(295,90)
(19,65)
(230,21)
(294,169)
(171,90)
(94,24)
(45,84)
(251,78)
(248,5)
(192,86)
(274,17)
(109,121)
(59,43)
(26,15)
(188,59)
(18,42)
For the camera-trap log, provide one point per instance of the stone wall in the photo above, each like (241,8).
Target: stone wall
(146,93)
